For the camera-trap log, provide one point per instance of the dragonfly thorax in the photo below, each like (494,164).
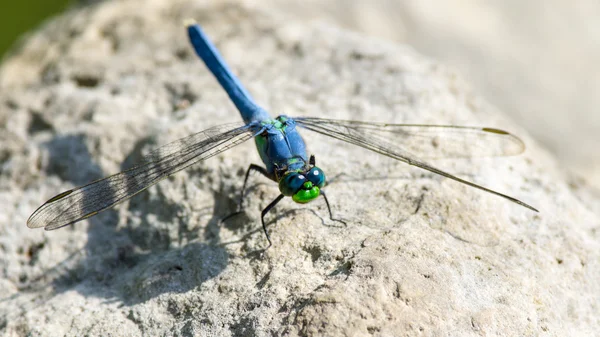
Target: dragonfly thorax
(302,185)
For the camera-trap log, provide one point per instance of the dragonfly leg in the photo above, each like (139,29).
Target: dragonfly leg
(252,167)
(329,209)
(264,212)
(240,207)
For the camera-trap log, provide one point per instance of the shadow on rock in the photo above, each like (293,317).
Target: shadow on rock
(71,160)
(133,263)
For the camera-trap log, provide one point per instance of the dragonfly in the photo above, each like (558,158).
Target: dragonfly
(281,149)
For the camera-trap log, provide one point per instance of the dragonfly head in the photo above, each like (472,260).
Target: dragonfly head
(303,185)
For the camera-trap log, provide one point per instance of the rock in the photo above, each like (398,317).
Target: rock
(93,90)
(537,63)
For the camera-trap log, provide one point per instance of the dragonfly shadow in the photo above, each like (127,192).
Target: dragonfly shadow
(225,216)
(325,221)
(70,160)
(134,262)
(241,222)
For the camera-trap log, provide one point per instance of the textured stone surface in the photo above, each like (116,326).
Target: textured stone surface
(537,61)
(92,90)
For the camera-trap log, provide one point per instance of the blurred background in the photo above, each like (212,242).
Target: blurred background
(536,60)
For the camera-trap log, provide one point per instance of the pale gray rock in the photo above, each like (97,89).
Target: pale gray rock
(537,60)
(96,88)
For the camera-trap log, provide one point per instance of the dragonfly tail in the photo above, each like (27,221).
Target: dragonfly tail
(207,51)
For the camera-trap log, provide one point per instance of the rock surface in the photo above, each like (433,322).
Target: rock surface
(536,61)
(94,89)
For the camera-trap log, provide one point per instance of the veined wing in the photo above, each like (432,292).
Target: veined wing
(83,202)
(434,141)
(389,140)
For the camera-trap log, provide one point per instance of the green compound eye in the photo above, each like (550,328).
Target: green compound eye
(291,183)
(316,176)
(297,186)
(307,193)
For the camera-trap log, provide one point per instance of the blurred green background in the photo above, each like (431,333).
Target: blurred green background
(18,17)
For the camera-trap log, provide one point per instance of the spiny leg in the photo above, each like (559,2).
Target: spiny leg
(252,167)
(329,209)
(264,212)
(240,207)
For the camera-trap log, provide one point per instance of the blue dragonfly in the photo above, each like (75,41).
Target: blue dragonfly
(281,149)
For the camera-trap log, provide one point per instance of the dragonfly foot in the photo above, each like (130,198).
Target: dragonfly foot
(329,210)
(262,217)
(264,226)
(268,238)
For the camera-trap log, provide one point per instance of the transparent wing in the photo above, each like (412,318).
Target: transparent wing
(435,141)
(402,142)
(83,202)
